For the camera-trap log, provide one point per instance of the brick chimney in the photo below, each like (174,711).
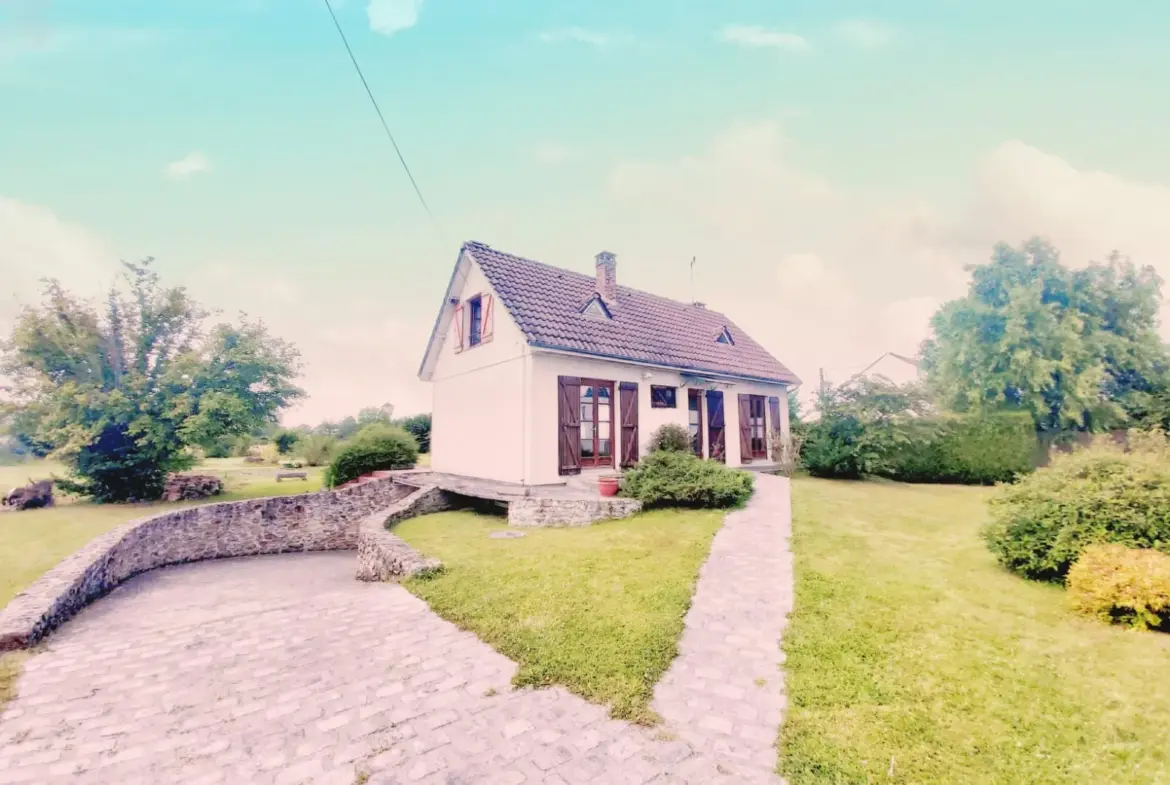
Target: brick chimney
(607,276)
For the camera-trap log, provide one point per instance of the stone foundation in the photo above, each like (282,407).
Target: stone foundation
(535,511)
(322,521)
(382,556)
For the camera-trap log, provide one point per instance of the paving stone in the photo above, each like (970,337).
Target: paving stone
(284,670)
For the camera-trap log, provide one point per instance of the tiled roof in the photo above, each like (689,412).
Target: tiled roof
(545,302)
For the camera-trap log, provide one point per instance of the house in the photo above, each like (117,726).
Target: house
(893,367)
(540,373)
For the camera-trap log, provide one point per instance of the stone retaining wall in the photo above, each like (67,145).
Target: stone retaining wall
(533,511)
(321,521)
(382,556)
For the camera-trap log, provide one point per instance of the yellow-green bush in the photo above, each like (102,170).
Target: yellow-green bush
(1123,585)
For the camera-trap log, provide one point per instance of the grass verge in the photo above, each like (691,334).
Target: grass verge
(597,609)
(913,658)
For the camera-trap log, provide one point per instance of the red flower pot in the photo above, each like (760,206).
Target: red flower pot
(607,485)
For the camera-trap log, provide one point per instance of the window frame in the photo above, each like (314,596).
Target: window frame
(656,404)
(474,320)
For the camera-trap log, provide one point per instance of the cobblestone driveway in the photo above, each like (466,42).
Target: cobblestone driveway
(285,670)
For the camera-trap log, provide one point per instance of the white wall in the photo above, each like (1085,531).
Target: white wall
(543,418)
(480,394)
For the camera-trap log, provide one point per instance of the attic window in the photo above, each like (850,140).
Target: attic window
(725,337)
(596,308)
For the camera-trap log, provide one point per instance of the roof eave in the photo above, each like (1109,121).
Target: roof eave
(790,381)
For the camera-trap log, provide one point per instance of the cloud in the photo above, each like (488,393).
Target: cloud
(390,16)
(759,37)
(595,38)
(553,153)
(35,244)
(191,164)
(831,277)
(865,33)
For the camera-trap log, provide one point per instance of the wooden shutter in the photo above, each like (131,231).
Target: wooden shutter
(745,428)
(569,427)
(487,320)
(774,413)
(716,426)
(629,406)
(457,325)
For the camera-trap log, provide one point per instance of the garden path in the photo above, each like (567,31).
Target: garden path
(284,670)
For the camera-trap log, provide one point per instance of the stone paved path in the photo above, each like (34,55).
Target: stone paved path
(286,671)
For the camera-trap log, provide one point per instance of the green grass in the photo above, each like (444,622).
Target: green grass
(597,609)
(33,541)
(912,652)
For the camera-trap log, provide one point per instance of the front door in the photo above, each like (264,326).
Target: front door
(596,423)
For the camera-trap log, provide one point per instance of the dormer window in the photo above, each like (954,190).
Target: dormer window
(595,307)
(725,337)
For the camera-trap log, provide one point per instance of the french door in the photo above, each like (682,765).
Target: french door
(759,432)
(596,423)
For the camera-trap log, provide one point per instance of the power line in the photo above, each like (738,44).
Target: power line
(378,109)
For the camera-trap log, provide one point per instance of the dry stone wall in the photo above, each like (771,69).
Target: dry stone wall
(535,511)
(322,521)
(383,556)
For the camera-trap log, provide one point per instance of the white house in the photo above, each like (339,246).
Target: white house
(540,373)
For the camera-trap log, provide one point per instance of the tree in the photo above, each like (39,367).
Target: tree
(376,415)
(1078,349)
(285,440)
(419,426)
(120,396)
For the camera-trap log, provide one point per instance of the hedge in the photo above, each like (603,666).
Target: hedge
(374,448)
(969,450)
(666,478)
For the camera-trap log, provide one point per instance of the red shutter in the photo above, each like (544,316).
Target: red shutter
(629,407)
(715,426)
(487,312)
(457,325)
(745,428)
(569,426)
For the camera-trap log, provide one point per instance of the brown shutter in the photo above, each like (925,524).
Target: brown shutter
(716,426)
(457,325)
(569,427)
(629,406)
(745,428)
(487,319)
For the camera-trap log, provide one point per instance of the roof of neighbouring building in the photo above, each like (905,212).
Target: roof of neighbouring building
(546,303)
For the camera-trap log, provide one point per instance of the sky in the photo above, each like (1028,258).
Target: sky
(832,166)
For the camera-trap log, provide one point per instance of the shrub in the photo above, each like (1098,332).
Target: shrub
(787,449)
(1123,585)
(317,449)
(374,448)
(666,478)
(1098,494)
(671,438)
(269,453)
(419,426)
(286,441)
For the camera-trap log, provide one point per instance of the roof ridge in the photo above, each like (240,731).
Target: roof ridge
(474,244)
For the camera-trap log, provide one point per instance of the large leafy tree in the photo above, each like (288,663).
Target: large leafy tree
(120,394)
(1078,349)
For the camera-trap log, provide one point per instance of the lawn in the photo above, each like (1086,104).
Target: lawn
(597,609)
(913,658)
(33,541)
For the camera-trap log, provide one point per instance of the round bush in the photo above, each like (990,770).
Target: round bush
(373,449)
(670,437)
(1122,585)
(1042,524)
(678,479)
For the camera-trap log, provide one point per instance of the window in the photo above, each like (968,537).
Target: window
(695,420)
(759,434)
(662,397)
(725,337)
(596,308)
(474,320)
